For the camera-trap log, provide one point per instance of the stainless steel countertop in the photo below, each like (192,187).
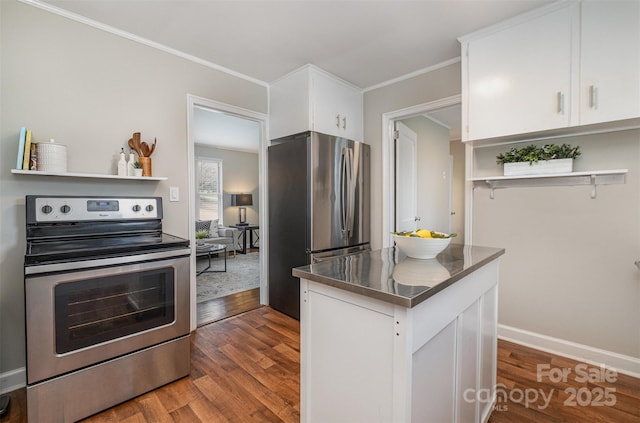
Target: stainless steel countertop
(390,276)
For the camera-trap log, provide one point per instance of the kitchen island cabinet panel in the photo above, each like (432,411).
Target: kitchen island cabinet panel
(366,358)
(346,341)
(432,396)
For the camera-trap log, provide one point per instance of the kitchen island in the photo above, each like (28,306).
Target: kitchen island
(386,338)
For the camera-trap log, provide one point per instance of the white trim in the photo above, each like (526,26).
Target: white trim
(124,34)
(387,155)
(436,121)
(195,101)
(413,74)
(584,353)
(516,20)
(13,379)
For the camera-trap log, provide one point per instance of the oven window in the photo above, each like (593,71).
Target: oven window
(92,311)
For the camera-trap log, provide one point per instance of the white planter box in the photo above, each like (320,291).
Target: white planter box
(539,168)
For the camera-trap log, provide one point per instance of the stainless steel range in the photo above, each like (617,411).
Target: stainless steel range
(107,303)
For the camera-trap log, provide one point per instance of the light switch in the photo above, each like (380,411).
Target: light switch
(174,194)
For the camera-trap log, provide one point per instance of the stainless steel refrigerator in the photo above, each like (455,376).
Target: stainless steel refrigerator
(319,207)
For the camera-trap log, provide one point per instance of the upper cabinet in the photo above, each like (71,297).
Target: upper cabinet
(562,66)
(610,61)
(312,99)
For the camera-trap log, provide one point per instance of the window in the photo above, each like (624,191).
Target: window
(209,186)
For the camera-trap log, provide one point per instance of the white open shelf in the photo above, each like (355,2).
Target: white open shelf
(593,178)
(87,175)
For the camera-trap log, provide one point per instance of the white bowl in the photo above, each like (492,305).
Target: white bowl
(421,248)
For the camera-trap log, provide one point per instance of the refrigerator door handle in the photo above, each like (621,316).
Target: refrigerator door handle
(344,191)
(352,192)
(347,192)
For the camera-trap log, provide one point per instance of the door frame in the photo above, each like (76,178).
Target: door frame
(398,126)
(388,165)
(262,119)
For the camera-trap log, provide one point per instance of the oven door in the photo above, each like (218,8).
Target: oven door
(79,318)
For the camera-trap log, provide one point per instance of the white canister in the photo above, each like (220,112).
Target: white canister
(52,157)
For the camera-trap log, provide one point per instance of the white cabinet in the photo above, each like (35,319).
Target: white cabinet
(519,79)
(562,66)
(367,360)
(610,61)
(312,99)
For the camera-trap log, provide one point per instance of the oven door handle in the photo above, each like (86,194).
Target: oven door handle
(111,261)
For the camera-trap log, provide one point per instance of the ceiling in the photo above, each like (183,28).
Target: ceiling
(365,42)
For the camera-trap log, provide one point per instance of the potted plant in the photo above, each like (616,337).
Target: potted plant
(534,160)
(200,236)
(137,169)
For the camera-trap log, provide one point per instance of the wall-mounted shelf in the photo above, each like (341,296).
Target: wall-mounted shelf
(87,175)
(593,178)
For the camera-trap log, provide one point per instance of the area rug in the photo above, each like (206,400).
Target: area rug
(243,273)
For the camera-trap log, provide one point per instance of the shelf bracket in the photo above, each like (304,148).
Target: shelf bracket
(492,189)
(593,187)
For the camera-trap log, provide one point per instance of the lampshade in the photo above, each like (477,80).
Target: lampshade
(241,200)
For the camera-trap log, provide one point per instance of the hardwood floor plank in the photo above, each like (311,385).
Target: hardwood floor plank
(247,369)
(572,398)
(224,307)
(205,411)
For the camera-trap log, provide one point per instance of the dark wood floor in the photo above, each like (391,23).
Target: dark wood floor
(584,395)
(247,369)
(221,308)
(231,305)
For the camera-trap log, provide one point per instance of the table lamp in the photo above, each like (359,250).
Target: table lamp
(242,200)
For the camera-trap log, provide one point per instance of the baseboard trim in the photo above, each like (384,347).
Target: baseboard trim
(12,380)
(621,363)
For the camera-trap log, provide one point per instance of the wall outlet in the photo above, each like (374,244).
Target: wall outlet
(174,194)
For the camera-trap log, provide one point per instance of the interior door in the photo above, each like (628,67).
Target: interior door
(406,149)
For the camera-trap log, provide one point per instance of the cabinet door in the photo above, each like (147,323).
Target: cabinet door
(519,78)
(488,351)
(433,384)
(337,107)
(289,105)
(468,346)
(610,61)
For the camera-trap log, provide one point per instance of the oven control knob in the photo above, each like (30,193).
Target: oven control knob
(136,208)
(47,209)
(149,208)
(65,209)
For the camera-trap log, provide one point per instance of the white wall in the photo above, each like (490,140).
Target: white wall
(569,271)
(440,83)
(90,90)
(432,161)
(239,175)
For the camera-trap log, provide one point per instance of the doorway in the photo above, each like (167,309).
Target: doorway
(231,141)
(439,176)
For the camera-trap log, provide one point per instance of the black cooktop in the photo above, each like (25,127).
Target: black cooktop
(76,249)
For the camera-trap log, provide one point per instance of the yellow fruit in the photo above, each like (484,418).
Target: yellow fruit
(423,233)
